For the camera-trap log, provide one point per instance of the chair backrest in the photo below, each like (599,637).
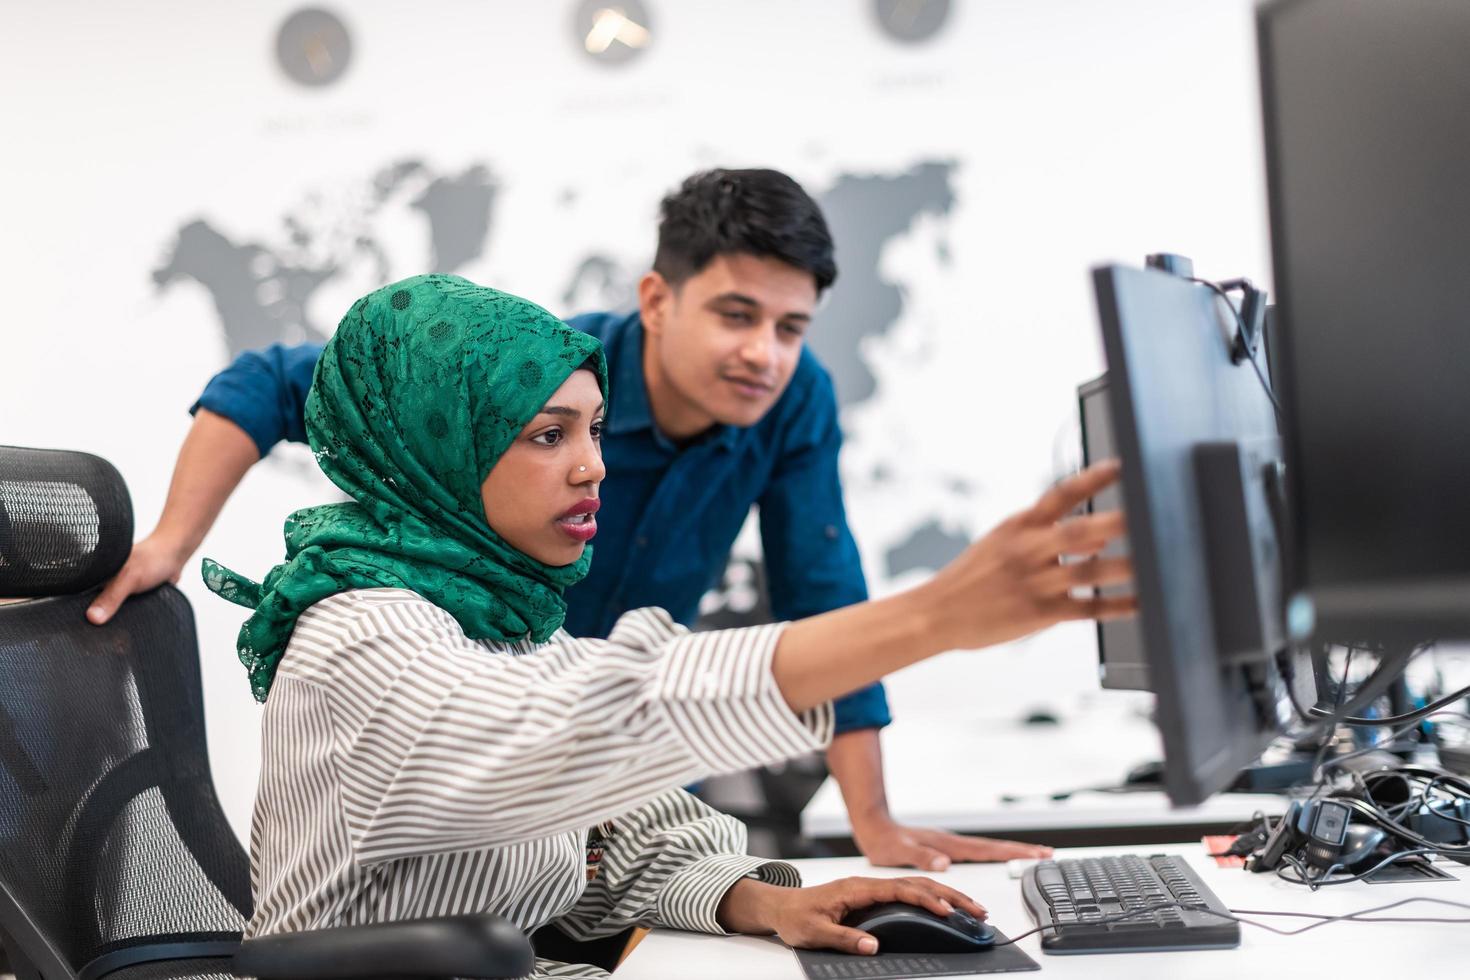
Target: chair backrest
(66,521)
(113,846)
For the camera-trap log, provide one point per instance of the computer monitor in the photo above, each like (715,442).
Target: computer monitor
(1366,106)
(1196,432)
(1121,665)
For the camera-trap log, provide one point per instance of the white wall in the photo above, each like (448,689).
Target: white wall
(1081,131)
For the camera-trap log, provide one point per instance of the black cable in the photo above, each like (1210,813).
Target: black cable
(1317,761)
(1407,774)
(1408,729)
(1389,667)
(1452,784)
(1354,916)
(1303,876)
(1376,814)
(1287,668)
(1326,878)
(1250,836)
(1322,881)
(1337,761)
(1265,385)
(1132,913)
(1418,714)
(1250,355)
(1424,796)
(1235,915)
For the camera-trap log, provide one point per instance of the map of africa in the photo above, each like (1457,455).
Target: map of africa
(261,289)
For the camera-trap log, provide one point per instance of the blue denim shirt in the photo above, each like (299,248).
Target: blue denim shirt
(669,514)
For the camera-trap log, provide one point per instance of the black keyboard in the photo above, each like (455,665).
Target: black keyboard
(1076,895)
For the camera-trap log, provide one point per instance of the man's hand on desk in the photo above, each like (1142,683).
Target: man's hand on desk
(892,845)
(855,759)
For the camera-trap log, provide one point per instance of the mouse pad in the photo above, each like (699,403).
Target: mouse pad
(821,964)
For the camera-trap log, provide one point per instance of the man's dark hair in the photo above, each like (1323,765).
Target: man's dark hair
(757,212)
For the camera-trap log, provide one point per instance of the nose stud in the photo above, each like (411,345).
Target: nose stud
(581,469)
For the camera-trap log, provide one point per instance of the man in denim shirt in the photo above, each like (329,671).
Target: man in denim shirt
(716,405)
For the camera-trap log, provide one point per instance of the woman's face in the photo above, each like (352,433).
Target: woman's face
(541,495)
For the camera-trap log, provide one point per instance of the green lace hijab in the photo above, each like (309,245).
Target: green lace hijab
(422,388)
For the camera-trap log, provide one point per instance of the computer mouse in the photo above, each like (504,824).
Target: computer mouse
(903,928)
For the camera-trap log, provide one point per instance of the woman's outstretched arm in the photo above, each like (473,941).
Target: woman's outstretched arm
(1008,584)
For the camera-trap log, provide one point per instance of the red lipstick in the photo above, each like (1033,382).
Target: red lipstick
(578,522)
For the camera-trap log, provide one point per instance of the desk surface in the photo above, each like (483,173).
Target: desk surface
(952,771)
(1359,949)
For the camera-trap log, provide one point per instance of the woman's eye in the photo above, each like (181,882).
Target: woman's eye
(596,429)
(736,317)
(548,438)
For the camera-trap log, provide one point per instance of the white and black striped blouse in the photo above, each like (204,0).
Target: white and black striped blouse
(409,771)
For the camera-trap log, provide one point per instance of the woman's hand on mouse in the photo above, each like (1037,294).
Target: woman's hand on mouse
(811,918)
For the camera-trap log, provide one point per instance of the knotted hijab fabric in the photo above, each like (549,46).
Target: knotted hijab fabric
(423,387)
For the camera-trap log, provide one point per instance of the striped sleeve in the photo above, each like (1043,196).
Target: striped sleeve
(717,685)
(669,863)
(446,744)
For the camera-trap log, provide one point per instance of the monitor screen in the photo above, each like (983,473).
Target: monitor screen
(1366,107)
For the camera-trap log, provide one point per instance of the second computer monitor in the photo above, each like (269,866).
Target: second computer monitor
(1197,435)
(1120,661)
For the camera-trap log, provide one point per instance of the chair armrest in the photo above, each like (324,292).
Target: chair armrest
(481,946)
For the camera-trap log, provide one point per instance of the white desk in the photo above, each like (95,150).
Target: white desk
(1342,949)
(951,771)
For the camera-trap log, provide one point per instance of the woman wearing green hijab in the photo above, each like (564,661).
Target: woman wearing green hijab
(433,743)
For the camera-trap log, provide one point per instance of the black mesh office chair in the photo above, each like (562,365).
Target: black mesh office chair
(115,858)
